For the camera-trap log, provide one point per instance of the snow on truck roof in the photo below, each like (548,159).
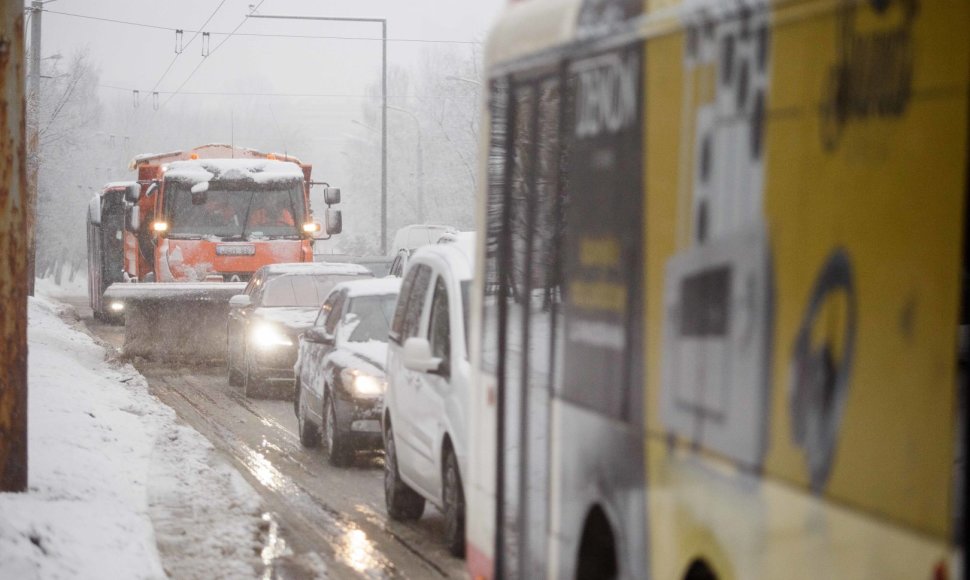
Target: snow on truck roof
(209,151)
(260,171)
(336,268)
(374,287)
(117,184)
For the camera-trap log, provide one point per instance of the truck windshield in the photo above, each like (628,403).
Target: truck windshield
(231,211)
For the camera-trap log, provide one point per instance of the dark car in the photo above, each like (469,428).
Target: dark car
(340,369)
(279,303)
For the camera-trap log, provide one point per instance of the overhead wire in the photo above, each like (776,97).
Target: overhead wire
(179,53)
(210,53)
(285,95)
(263,34)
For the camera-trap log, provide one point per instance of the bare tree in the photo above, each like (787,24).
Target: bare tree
(74,162)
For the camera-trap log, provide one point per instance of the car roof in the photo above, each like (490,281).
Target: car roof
(373,287)
(351,259)
(457,257)
(316,268)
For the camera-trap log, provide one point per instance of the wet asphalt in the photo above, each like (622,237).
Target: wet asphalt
(313,511)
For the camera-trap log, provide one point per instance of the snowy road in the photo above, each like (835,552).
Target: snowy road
(335,513)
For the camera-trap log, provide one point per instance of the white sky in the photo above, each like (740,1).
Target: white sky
(135,58)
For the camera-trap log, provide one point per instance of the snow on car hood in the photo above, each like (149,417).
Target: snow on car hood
(295,318)
(372,353)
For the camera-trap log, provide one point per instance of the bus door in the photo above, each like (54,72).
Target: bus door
(113,239)
(526,238)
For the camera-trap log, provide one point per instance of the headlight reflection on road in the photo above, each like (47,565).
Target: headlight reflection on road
(264,471)
(357,551)
(273,548)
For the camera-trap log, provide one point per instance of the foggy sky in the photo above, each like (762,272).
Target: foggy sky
(134,58)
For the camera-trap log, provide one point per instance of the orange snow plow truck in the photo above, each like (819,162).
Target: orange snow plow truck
(198,226)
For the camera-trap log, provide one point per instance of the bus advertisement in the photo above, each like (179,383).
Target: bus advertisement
(719,291)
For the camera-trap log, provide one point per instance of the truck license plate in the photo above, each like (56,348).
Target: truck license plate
(235,250)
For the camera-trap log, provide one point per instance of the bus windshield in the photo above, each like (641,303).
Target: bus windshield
(235,212)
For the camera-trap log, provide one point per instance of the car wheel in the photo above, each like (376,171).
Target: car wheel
(403,503)
(309,432)
(252,386)
(233,374)
(454,500)
(338,443)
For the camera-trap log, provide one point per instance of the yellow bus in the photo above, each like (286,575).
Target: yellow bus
(719,291)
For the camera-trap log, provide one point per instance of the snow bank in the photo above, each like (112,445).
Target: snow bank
(67,288)
(111,473)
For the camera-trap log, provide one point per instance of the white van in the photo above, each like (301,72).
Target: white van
(428,373)
(413,237)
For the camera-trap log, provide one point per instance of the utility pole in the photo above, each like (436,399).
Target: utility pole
(384,137)
(14,212)
(383,23)
(33,154)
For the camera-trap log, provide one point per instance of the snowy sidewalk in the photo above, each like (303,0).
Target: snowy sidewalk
(118,488)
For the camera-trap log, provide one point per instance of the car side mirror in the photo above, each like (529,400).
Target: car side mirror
(334,221)
(318,336)
(417,356)
(133,193)
(331,195)
(240,301)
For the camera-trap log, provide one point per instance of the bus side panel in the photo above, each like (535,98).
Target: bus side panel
(95,286)
(868,157)
(838,138)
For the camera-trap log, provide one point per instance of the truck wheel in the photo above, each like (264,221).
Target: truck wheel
(454,500)
(309,432)
(338,443)
(403,503)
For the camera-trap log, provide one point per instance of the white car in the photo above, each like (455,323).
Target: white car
(425,419)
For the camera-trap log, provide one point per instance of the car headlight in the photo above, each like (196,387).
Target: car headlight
(363,385)
(268,336)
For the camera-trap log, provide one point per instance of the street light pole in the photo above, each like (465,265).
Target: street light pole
(420,160)
(383,22)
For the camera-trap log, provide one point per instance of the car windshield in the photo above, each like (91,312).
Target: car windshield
(229,210)
(373,317)
(302,290)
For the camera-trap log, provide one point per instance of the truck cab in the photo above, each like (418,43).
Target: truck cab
(219,213)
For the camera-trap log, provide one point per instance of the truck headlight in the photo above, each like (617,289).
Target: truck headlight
(116,306)
(267,336)
(363,385)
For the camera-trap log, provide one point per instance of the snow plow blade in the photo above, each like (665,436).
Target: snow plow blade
(184,322)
